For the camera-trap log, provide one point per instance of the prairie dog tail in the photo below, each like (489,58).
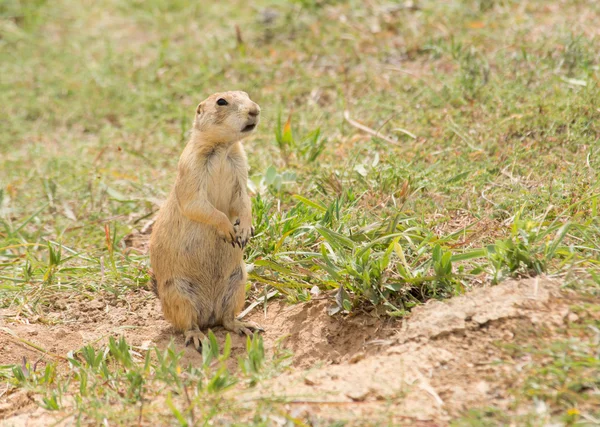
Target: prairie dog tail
(153,284)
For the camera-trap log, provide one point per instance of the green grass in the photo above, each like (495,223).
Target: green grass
(117,382)
(494,107)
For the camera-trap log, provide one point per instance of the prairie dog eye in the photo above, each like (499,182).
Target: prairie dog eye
(222,102)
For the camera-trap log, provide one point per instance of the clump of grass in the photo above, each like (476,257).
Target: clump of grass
(131,384)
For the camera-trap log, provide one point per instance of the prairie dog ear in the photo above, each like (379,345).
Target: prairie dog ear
(200,109)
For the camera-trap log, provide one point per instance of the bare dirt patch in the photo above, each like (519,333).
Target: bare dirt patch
(443,359)
(305,329)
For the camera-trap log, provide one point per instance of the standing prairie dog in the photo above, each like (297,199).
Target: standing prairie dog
(202,228)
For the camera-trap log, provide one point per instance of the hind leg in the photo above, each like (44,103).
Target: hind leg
(180,308)
(233,302)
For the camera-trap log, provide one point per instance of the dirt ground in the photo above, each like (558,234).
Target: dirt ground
(438,363)
(422,370)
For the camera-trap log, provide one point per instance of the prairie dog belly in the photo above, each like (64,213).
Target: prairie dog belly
(204,254)
(199,255)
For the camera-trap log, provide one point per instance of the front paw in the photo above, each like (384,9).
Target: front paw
(228,234)
(243,235)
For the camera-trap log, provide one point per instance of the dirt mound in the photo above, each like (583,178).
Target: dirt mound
(423,370)
(314,337)
(442,361)
(306,329)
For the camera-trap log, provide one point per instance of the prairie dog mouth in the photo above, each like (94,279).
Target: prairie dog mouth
(249,127)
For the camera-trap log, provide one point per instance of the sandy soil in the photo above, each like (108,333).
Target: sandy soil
(439,362)
(423,370)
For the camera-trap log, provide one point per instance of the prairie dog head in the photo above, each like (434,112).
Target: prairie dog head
(226,117)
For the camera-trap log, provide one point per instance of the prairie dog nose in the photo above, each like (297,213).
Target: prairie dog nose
(254,110)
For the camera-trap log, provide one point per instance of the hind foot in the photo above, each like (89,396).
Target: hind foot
(195,337)
(242,328)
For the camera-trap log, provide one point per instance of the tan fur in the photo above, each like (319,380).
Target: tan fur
(195,249)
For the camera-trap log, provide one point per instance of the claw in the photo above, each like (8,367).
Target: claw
(237,222)
(194,337)
(232,240)
(252,231)
(243,328)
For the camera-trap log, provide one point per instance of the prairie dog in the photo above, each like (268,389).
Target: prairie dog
(201,230)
